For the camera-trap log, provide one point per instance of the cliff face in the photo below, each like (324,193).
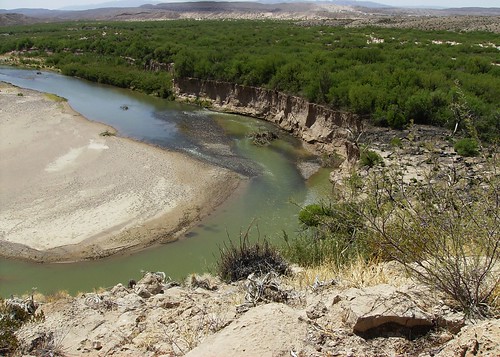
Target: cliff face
(328,130)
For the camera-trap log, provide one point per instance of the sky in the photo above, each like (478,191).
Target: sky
(56,4)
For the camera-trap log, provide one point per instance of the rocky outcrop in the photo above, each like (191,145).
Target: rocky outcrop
(370,309)
(327,129)
(203,318)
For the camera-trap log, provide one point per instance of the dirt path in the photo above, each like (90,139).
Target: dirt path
(68,193)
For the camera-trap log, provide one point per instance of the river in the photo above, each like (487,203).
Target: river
(270,200)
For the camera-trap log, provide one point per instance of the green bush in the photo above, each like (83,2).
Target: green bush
(370,158)
(467,147)
(312,215)
(330,234)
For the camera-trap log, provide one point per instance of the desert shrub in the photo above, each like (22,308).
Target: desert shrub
(237,262)
(446,234)
(312,215)
(12,317)
(45,344)
(330,234)
(370,158)
(467,147)
(445,231)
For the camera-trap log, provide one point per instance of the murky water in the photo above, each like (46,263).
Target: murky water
(270,199)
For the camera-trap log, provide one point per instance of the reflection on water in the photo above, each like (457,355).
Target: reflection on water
(270,199)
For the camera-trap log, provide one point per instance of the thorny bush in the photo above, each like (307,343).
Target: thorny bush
(237,262)
(445,232)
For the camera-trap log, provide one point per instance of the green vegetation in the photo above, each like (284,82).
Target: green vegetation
(311,215)
(370,158)
(329,235)
(55,98)
(445,232)
(467,147)
(389,75)
(12,317)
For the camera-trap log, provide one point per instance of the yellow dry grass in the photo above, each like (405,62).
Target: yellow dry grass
(357,274)
(53,297)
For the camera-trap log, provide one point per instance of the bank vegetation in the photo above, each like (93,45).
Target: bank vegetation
(391,76)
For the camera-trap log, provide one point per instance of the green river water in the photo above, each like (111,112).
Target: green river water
(270,198)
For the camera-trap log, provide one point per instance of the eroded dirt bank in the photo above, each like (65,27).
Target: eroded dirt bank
(325,129)
(68,192)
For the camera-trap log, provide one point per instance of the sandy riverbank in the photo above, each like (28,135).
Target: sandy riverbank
(68,193)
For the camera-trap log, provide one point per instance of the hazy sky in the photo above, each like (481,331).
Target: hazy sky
(55,4)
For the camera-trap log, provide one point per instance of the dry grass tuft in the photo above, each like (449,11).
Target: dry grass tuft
(358,273)
(53,297)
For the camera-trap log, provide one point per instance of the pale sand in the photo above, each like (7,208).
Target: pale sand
(68,193)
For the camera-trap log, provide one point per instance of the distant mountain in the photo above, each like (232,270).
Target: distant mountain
(368,4)
(137,3)
(372,12)
(117,3)
(32,12)
(15,19)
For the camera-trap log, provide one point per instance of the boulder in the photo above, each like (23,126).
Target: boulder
(316,311)
(383,310)
(150,284)
(267,330)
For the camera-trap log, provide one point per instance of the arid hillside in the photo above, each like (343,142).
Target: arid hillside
(344,15)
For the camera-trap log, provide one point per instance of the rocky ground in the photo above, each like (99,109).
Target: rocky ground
(267,316)
(419,152)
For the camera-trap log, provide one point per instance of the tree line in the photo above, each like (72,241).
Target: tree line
(391,76)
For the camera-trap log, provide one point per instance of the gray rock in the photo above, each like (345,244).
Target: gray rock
(129,302)
(451,321)
(150,284)
(316,311)
(119,290)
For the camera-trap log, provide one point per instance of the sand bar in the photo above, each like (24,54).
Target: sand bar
(69,193)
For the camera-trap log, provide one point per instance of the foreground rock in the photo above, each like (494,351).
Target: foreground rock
(204,318)
(370,309)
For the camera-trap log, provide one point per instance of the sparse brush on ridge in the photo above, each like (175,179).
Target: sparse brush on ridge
(237,262)
(445,231)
